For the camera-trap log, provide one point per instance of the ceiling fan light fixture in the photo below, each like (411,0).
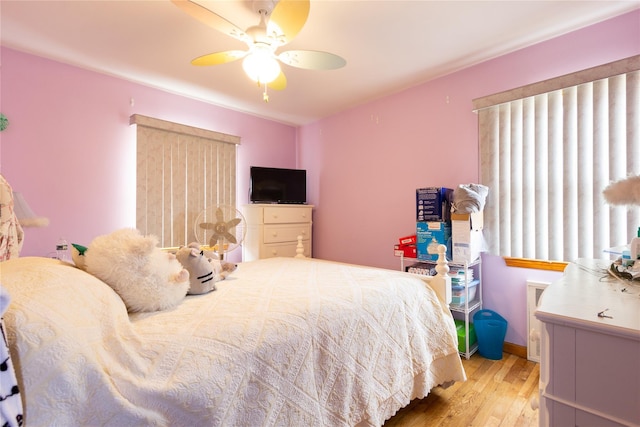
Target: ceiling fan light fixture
(261,66)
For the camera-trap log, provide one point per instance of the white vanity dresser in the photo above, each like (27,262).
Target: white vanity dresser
(590,363)
(273,230)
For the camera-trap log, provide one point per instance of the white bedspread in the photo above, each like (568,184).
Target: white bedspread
(281,342)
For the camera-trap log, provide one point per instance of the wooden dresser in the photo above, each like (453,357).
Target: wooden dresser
(589,364)
(273,230)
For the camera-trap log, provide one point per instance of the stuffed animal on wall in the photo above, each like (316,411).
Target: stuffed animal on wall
(204,272)
(145,277)
(11,234)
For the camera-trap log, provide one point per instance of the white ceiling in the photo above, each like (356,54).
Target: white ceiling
(388,45)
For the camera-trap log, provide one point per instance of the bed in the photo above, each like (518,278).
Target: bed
(282,341)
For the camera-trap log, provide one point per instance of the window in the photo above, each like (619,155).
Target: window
(548,150)
(181,170)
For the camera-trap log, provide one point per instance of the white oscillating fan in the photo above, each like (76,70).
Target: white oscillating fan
(220,229)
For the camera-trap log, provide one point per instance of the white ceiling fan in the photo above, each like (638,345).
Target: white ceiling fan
(280,22)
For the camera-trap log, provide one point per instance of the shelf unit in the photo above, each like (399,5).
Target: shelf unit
(463,311)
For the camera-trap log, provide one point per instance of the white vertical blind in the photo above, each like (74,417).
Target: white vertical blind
(546,159)
(180,171)
(633,138)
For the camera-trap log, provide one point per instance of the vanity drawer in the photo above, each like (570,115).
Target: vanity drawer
(287,250)
(284,215)
(286,233)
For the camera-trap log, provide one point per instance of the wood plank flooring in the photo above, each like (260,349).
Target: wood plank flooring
(497,393)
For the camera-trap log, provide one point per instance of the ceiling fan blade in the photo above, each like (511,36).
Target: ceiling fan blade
(211,19)
(279,83)
(312,59)
(289,16)
(219,57)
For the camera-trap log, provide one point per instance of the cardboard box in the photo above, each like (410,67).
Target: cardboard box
(476,219)
(408,251)
(466,236)
(433,204)
(432,233)
(408,240)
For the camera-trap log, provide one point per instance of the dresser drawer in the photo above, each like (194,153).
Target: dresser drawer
(287,250)
(286,233)
(283,215)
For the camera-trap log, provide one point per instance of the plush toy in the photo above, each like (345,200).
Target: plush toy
(223,268)
(623,192)
(77,255)
(145,277)
(202,277)
(204,272)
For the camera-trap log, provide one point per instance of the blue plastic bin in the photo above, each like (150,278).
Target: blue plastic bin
(491,329)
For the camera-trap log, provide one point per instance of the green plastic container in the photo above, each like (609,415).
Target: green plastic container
(461,338)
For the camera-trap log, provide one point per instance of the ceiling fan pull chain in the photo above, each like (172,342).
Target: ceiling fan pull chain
(265,95)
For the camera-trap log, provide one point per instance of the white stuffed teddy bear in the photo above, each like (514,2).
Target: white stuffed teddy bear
(145,277)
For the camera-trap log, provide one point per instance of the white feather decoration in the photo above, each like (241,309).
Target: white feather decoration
(623,192)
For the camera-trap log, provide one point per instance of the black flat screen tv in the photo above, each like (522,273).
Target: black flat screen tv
(276,185)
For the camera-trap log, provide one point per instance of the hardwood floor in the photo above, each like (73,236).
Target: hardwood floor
(496,393)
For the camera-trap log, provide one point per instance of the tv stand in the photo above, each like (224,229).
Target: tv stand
(273,230)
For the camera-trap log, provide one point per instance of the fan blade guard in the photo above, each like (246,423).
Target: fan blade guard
(221,226)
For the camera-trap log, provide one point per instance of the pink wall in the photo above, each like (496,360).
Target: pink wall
(70,150)
(366,163)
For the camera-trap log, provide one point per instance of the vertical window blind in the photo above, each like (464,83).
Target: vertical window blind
(548,150)
(181,170)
